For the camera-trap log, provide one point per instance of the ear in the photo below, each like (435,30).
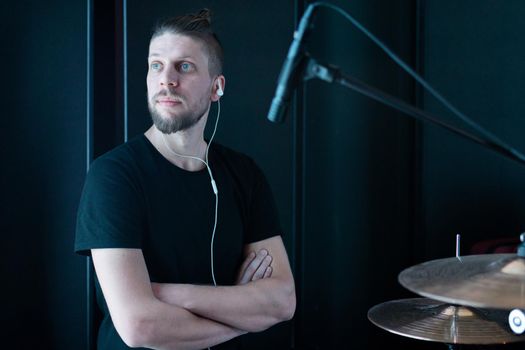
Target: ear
(218,84)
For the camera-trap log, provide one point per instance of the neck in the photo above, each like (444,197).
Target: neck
(182,143)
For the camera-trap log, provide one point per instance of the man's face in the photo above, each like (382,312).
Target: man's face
(179,83)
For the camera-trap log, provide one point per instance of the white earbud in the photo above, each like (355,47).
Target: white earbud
(219,90)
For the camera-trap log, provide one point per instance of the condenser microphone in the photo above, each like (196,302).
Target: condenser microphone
(290,71)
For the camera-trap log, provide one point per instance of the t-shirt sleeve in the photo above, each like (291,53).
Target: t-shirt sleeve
(110,213)
(263,215)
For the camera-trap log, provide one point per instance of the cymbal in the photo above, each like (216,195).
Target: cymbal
(431,320)
(487,281)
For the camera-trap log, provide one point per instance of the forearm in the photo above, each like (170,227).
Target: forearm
(167,327)
(251,307)
(139,317)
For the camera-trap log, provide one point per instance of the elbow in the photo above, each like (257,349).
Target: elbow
(290,310)
(287,309)
(284,303)
(283,309)
(135,331)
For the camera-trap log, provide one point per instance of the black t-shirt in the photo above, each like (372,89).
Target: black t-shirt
(134,198)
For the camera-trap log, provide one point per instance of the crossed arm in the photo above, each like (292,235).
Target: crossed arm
(181,316)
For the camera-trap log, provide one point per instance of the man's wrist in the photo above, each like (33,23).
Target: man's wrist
(182,293)
(173,294)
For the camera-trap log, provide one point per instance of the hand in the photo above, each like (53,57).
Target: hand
(255,267)
(157,289)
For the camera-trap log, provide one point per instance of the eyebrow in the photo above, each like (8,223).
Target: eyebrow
(154,54)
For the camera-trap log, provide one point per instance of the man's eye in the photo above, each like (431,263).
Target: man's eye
(155,66)
(186,67)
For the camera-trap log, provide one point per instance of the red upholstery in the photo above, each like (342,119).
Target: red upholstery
(496,246)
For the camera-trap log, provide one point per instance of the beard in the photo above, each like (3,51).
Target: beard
(183,120)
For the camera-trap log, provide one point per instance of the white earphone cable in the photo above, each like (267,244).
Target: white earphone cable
(213,184)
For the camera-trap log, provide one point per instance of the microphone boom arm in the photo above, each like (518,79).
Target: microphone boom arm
(333,74)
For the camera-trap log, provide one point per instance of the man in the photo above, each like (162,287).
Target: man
(161,235)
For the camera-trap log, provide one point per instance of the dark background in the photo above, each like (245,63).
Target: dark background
(363,191)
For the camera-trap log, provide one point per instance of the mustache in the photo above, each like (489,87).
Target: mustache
(169,94)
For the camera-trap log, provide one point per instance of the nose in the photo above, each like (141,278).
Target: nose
(169,83)
(170,78)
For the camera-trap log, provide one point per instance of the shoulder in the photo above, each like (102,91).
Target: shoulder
(120,164)
(123,156)
(235,160)
(243,170)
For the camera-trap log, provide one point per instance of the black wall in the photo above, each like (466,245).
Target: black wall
(358,166)
(378,192)
(43,153)
(474,54)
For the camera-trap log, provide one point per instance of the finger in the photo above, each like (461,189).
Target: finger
(242,278)
(259,273)
(268,272)
(249,258)
(254,265)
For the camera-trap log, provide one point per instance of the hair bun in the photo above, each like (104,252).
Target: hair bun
(205,14)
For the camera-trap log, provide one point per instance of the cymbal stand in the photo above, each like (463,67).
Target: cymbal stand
(517,316)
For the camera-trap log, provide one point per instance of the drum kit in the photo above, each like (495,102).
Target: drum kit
(473,299)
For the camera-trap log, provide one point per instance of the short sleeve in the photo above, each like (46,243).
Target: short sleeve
(263,220)
(111,210)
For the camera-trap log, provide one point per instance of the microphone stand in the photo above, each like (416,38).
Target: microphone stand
(306,68)
(332,74)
